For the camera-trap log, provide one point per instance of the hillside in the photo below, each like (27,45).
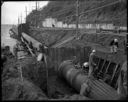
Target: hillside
(62,9)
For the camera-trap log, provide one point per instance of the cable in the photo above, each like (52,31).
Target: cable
(95,8)
(100,7)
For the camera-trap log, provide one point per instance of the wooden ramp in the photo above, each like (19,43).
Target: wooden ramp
(101,91)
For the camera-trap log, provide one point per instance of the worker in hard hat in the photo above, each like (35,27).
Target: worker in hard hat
(114,45)
(92,64)
(85,67)
(41,56)
(19,50)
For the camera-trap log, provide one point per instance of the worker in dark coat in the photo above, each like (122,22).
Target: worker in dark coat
(92,64)
(19,50)
(114,45)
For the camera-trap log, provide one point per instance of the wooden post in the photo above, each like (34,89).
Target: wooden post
(36,12)
(102,66)
(46,65)
(107,67)
(114,73)
(18,21)
(99,62)
(26,12)
(21,76)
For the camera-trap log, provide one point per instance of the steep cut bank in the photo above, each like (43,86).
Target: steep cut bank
(61,9)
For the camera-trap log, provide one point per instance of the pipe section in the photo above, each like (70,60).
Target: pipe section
(75,77)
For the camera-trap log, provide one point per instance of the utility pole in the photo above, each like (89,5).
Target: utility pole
(18,21)
(77,17)
(38,5)
(21,18)
(21,27)
(26,12)
(36,14)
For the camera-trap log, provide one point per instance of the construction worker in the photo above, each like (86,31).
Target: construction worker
(85,67)
(114,45)
(92,64)
(19,51)
(41,54)
(53,25)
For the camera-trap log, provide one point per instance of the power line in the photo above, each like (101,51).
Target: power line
(64,10)
(100,7)
(95,9)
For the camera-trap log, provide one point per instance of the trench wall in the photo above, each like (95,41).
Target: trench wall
(57,55)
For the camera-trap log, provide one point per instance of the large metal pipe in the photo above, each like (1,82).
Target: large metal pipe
(99,89)
(74,76)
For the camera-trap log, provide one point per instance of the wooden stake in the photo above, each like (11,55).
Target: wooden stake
(46,65)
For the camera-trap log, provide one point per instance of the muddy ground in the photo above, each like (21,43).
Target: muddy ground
(32,85)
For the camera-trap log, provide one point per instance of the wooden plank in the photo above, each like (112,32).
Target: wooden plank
(99,93)
(102,66)
(104,89)
(99,62)
(95,93)
(102,92)
(107,67)
(108,90)
(113,91)
(114,73)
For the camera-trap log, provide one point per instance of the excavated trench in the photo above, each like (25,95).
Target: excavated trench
(56,87)
(107,70)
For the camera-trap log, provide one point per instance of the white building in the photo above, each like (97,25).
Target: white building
(48,22)
(59,24)
(65,25)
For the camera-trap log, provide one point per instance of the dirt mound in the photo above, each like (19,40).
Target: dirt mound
(15,89)
(34,76)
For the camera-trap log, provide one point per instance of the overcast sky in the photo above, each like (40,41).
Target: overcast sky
(12,10)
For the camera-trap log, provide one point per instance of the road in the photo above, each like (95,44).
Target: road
(86,31)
